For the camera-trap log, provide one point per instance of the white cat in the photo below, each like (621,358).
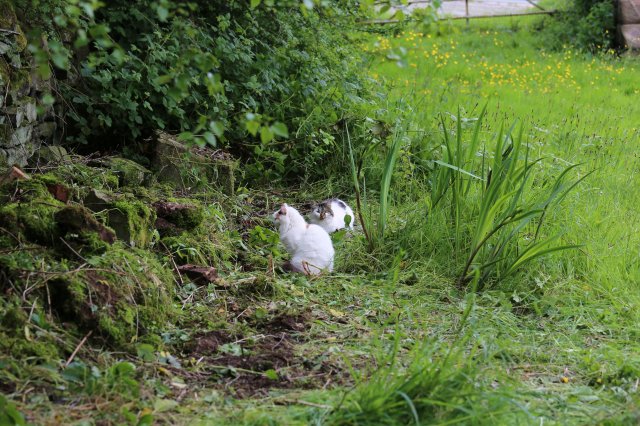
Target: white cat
(332,214)
(309,245)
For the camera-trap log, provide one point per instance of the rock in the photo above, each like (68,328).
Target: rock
(129,172)
(132,221)
(45,130)
(13,174)
(51,153)
(193,168)
(199,275)
(21,134)
(166,228)
(98,200)
(185,216)
(78,220)
(629,11)
(631,35)
(59,192)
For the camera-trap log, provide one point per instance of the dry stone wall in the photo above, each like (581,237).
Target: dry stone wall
(22,128)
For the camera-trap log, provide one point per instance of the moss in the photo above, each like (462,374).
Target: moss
(85,177)
(37,221)
(5,71)
(32,211)
(80,228)
(129,294)
(132,221)
(31,189)
(187,216)
(196,248)
(9,21)
(18,339)
(9,220)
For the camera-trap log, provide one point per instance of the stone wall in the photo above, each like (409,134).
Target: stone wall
(22,129)
(629,23)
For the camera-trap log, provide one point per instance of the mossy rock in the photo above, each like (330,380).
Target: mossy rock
(185,214)
(130,173)
(82,232)
(133,221)
(193,169)
(9,21)
(126,294)
(31,209)
(84,178)
(51,153)
(33,219)
(37,220)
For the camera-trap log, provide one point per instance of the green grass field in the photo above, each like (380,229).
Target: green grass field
(554,343)
(394,336)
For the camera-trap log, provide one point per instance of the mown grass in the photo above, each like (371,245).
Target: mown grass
(556,342)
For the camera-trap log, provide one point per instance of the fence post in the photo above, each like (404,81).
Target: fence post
(466,10)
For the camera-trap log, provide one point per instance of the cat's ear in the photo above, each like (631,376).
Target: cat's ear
(283,208)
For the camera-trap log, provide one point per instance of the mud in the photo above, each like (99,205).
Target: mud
(250,366)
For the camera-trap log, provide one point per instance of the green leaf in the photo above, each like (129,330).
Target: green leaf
(279,129)
(271,374)
(48,99)
(252,127)
(162,405)
(146,352)
(163,13)
(185,136)
(210,138)
(9,415)
(217,128)
(146,420)
(255,3)
(231,349)
(266,135)
(163,79)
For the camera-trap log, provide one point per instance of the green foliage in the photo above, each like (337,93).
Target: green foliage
(375,226)
(264,80)
(586,24)
(495,226)
(9,415)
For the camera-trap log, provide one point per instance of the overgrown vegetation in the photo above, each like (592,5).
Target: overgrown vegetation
(588,25)
(225,74)
(132,296)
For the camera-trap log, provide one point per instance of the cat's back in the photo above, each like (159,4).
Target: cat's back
(316,238)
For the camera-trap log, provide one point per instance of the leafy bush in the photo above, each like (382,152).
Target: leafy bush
(227,74)
(586,24)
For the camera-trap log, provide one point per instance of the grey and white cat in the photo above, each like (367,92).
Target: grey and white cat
(310,246)
(332,214)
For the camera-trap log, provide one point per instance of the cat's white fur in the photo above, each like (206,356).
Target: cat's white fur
(309,245)
(336,221)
